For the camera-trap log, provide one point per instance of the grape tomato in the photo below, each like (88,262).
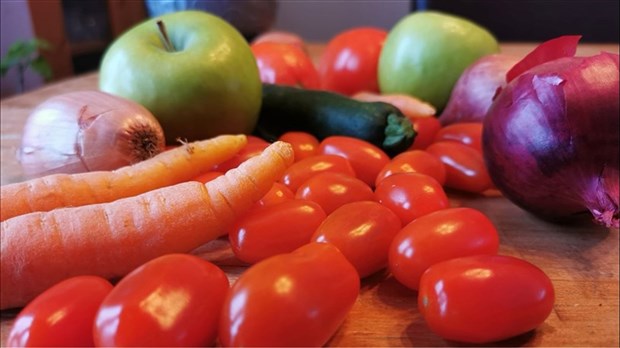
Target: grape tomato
(274,229)
(298,172)
(366,158)
(411,195)
(331,190)
(484,298)
(440,236)
(362,231)
(414,161)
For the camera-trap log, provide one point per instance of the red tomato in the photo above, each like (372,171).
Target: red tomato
(285,64)
(362,231)
(172,300)
(304,144)
(298,172)
(467,133)
(277,194)
(349,62)
(411,195)
(484,298)
(274,229)
(61,316)
(208,176)
(465,168)
(291,300)
(414,161)
(367,159)
(252,139)
(426,127)
(252,149)
(332,190)
(440,236)
(281,36)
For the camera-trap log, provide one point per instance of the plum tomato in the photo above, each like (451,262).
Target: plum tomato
(298,172)
(467,133)
(61,316)
(277,194)
(285,64)
(439,236)
(362,231)
(349,62)
(414,161)
(252,149)
(172,300)
(292,300)
(332,190)
(367,159)
(465,168)
(411,195)
(484,298)
(275,229)
(426,128)
(304,144)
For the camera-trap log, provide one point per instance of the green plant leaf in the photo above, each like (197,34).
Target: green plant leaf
(40,65)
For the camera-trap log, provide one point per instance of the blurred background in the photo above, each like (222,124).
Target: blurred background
(79,31)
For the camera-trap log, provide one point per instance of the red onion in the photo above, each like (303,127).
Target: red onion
(87,131)
(474,90)
(551,138)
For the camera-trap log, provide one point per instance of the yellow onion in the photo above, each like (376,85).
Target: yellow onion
(87,131)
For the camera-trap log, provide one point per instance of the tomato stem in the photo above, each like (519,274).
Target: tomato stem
(163,35)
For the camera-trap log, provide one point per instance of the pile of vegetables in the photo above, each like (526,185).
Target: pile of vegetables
(335,185)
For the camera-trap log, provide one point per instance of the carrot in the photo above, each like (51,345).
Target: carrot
(168,168)
(111,239)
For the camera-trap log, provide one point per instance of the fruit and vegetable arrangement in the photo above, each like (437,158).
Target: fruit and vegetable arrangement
(316,175)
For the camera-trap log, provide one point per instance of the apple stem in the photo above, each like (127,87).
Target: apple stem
(164,36)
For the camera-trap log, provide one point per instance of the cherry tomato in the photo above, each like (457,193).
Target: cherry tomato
(274,229)
(291,300)
(367,159)
(426,127)
(332,190)
(411,195)
(414,161)
(465,168)
(362,231)
(61,316)
(172,300)
(440,236)
(281,36)
(250,150)
(484,298)
(304,144)
(349,62)
(285,64)
(467,133)
(277,194)
(298,172)
(208,176)
(252,139)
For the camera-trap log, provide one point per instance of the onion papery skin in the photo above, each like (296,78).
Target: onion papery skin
(87,131)
(474,90)
(551,139)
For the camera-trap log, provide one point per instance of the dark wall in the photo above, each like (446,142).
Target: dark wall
(536,20)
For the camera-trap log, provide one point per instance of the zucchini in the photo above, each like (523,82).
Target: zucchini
(324,114)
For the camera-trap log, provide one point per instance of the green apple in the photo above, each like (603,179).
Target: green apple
(425,53)
(206,84)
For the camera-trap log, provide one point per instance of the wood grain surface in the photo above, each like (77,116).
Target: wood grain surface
(580,258)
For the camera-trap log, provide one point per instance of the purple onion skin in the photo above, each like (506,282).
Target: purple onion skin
(474,90)
(551,139)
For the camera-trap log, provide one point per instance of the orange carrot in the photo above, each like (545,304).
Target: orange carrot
(167,168)
(111,239)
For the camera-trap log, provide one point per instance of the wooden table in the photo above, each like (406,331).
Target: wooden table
(580,258)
